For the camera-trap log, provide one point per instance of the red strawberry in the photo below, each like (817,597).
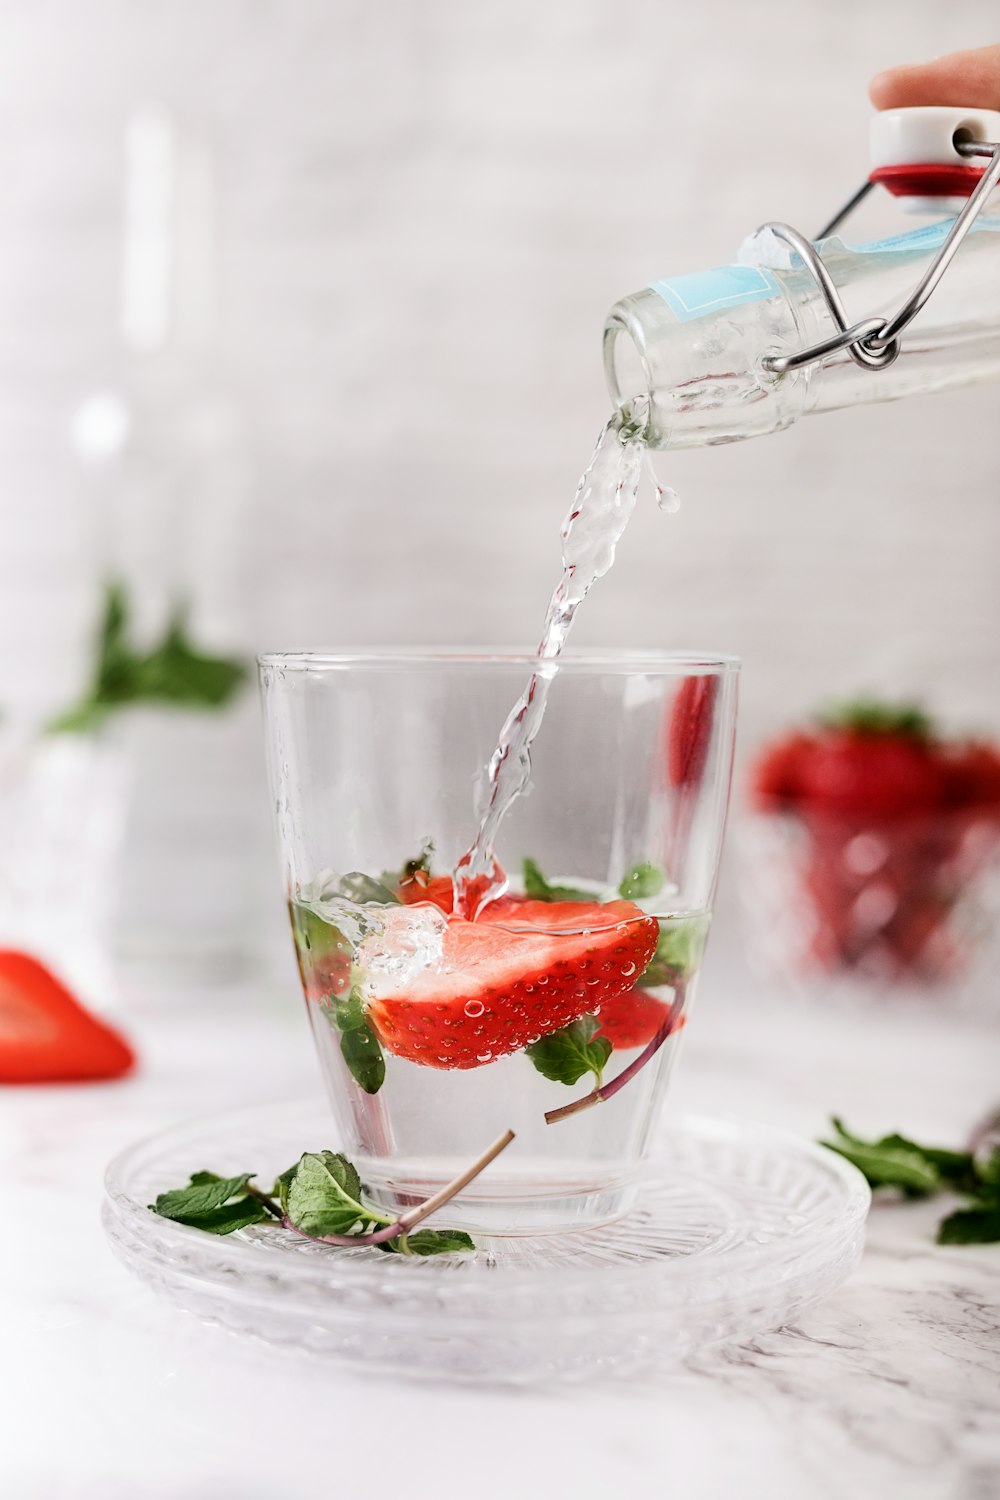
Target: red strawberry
(498,988)
(775,778)
(46,1036)
(632,1018)
(870,776)
(689,730)
(437,889)
(972,775)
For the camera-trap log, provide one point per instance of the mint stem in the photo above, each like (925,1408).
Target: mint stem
(263,1198)
(408,1221)
(603,1092)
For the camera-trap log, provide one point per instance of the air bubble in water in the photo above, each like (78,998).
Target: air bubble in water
(668,499)
(474,1008)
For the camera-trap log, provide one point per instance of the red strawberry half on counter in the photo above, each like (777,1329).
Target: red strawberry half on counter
(46,1036)
(524,969)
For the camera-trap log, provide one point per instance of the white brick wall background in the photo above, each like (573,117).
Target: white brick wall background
(425,212)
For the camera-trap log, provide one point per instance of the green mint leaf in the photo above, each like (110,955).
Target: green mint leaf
(177,672)
(641,882)
(324,1197)
(678,952)
(971,1226)
(203,1195)
(282,1184)
(430,1242)
(537,888)
(174,672)
(239,1214)
(988,1169)
(359,1045)
(565,1056)
(889,1162)
(358,887)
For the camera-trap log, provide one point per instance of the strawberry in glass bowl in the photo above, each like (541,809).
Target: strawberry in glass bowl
(874,849)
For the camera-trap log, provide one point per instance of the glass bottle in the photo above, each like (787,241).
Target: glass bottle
(699,345)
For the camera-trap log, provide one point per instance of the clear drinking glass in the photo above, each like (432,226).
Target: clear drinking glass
(434,1033)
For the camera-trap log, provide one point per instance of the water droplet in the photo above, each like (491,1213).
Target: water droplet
(668,499)
(627,970)
(484,1056)
(543,979)
(529,989)
(595,980)
(474,1008)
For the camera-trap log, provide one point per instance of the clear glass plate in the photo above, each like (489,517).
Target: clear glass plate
(739,1228)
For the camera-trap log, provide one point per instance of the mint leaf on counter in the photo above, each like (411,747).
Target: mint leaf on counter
(894,1161)
(359,1045)
(537,888)
(564,1056)
(641,882)
(971,1226)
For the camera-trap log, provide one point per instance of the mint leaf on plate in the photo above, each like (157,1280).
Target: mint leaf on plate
(430,1242)
(324,1197)
(219,1205)
(537,888)
(564,1056)
(359,1045)
(641,882)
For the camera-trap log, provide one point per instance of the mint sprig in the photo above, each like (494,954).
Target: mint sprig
(916,1171)
(642,882)
(173,672)
(678,952)
(320,1197)
(359,1046)
(537,888)
(565,1056)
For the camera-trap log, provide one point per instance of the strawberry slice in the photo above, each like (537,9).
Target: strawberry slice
(631,1019)
(46,1036)
(499,987)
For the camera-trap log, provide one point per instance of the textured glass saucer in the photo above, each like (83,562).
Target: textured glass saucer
(739,1229)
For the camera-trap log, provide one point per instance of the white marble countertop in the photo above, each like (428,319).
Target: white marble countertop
(889,1389)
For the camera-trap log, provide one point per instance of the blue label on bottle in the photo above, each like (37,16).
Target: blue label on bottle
(929,237)
(706,292)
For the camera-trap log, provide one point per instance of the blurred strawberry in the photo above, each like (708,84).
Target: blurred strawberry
(972,776)
(689,729)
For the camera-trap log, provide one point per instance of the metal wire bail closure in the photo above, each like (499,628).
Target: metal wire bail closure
(874,342)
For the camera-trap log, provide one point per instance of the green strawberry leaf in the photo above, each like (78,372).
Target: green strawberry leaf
(565,1056)
(641,882)
(537,888)
(869,716)
(324,1197)
(359,1045)
(971,1226)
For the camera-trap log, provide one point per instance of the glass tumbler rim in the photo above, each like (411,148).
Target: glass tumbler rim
(601,659)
